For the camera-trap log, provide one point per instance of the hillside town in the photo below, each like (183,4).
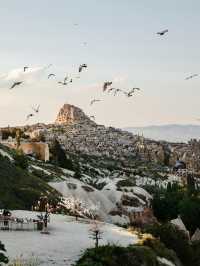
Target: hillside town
(79,134)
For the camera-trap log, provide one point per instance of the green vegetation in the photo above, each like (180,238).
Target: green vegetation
(59,157)
(174,239)
(42,175)
(20,160)
(125,183)
(133,255)
(77,173)
(175,200)
(3,258)
(19,189)
(177,240)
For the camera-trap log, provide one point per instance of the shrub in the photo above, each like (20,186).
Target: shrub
(115,256)
(174,239)
(21,160)
(3,258)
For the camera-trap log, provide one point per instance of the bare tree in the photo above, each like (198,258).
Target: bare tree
(96,232)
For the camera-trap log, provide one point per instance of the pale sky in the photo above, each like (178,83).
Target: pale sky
(121,45)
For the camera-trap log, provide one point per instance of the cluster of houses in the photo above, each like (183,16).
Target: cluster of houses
(79,134)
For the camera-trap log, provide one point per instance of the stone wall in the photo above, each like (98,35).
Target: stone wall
(38,149)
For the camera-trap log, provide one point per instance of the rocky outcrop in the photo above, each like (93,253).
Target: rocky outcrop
(70,114)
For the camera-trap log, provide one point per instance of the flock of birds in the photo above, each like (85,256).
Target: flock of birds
(107,85)
(66,81)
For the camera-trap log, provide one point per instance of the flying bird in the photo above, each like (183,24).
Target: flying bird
(131,92)
(65,79)
(191,76)
(106,85)
(94,100)
(17,83)
(162,32)
(81,67)
(51,75)
(111,89)
(135,89)
(116,91)
(25,68)
(36,109)
(128,94)
(62,83)
(29,116)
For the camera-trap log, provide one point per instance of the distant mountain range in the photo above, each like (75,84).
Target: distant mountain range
(171,132)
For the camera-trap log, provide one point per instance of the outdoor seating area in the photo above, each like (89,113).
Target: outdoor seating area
(12,223)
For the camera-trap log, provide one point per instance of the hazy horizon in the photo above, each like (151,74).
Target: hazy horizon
(122,45)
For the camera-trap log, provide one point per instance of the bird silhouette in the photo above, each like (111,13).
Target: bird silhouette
(131,92)
(17,83)
(191,76)
(162,32)
(36,109)
(116,91)
(81,67)
(106,85)
(29,116)
(94,100)
(111,89)
(66,78)
(62,83)
(25,68)
(51,75)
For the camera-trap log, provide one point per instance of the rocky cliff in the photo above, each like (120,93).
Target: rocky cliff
(70,114)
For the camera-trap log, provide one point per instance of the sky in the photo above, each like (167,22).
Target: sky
(121,46)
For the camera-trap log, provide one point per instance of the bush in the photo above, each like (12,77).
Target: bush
(161,250)
(117,256)
(3,258)
(174,239)
(21,160)
(125,183)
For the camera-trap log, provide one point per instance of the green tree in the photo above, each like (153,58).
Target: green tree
(189,209)
(165,203)
(174,239)
(59,157)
